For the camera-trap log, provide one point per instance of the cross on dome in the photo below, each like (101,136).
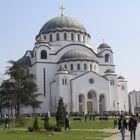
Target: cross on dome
(62,10)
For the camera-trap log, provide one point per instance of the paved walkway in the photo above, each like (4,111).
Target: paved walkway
(127,135)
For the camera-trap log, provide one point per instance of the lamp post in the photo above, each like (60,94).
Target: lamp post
(118,108)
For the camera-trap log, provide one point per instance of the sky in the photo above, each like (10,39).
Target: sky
(115,21)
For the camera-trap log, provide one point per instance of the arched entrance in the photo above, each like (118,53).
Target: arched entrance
(101,103)
(81,103)
(91,102)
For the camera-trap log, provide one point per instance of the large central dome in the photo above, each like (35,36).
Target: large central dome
(62,22)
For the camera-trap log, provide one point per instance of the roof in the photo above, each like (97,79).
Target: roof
(109,71)
(77,54)
(25,61)
(62,22)
(103,45)
(121,77)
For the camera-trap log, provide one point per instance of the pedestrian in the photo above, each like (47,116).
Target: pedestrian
(67,123)
(85,117)
(115,122)
(122,125)
(132,127)
(6,122)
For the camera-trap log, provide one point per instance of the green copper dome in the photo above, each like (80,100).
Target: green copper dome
(62,22)
(77,54)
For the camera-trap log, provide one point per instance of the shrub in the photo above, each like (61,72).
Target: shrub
(50,128)
(54,128)
(30,129)
(57,129)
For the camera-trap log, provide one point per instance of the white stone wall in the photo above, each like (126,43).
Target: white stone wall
(134,97)
(81,85)
(122,96)
(113,90)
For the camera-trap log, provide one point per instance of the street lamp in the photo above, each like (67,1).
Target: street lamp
(118,106)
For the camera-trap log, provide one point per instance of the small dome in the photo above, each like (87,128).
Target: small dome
(121,77)
(103,45)
(62,22)
(62,69)
(76,54)
(109,71)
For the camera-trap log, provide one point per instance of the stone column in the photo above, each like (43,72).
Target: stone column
(97,103)
(85,104)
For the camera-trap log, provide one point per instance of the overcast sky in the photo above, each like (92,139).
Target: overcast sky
(115,21)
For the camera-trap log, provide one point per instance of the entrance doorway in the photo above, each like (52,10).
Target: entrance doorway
(91,102)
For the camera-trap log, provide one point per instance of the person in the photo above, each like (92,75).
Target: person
(6,122)
(85,117)
(46,121)
(115,122)
(132,127)
(67,123)
(122,125)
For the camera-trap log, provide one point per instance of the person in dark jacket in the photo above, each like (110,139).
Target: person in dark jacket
(122,125)
(132,127)
(67,123)
(6,122)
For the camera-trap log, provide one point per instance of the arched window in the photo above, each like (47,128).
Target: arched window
(107,58)
(43,54)
(51,38)
(91,67)
(83,38)
(72,36)
(78,66)
(64,81)
(85,66)
(81,98)
(45,37)
(89,96)
(57,36)
(78,37)
(65,36)
(71,66)
(66,66)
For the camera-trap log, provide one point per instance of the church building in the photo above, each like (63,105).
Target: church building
(66,65)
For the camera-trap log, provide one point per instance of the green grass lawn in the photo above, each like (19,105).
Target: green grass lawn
(64,135)
(77,131)
(90,124)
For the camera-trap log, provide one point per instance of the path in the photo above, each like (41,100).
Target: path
(118,136)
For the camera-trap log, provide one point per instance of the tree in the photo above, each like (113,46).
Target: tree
(61,112)
(7,95)
(25,88)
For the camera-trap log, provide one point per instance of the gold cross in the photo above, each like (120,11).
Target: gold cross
(62,10)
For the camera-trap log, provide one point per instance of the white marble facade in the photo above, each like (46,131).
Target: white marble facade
(66,65)
(134,101)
